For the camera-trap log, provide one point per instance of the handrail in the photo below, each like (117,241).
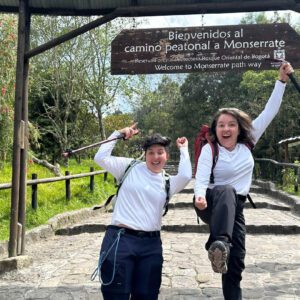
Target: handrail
(276,175)
(292,165)
(53,179)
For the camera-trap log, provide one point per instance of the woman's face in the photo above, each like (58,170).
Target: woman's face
(156,158)
(227,130)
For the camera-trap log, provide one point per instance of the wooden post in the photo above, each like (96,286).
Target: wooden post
(18,144)
(296,173)
(24,149)
(34,188)
(68,187)
(286,152)
(92,180)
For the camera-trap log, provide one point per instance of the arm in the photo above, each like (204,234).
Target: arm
(272,107)
(115,165)
(184,175)
(203,176)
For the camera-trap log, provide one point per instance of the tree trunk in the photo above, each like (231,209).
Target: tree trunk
(52,168)
(101,126)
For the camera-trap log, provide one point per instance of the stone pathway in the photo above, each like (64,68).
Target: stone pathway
(62,264)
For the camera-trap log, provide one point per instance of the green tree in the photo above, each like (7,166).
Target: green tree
(56,85)
(102,90)
(155,112)
(128,148)
(71,86)
(262,18)
(258,87)
(8,46)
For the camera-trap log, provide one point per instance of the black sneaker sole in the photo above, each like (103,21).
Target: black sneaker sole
(217,254)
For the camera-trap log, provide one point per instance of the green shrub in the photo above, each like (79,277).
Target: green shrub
(52,197)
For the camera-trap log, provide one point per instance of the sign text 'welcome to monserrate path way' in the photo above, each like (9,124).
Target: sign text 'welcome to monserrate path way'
(196,49)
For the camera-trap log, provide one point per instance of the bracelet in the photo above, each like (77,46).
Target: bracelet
(282,81)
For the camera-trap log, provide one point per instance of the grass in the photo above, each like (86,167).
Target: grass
(51,196)
(290,189)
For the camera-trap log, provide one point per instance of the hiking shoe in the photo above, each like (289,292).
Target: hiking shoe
(218,254)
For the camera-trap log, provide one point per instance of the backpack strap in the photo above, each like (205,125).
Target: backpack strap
(111,197)
(127,170)
(167,188)
(133,163)
(251,201)
(250,145)
(215,156)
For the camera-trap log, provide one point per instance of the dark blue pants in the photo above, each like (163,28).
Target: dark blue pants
(225,217)
(138,266)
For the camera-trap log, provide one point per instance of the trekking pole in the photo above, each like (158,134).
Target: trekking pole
(294,81)
(70,152)
(291,76)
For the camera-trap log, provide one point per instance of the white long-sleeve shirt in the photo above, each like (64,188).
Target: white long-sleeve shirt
(235,167)
(142,197)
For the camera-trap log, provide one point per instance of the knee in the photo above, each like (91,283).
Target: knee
(225,192)
(226,188)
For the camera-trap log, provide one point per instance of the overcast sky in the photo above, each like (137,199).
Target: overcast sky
(207,20)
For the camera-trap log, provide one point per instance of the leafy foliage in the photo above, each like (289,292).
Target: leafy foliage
(156,110)
(8,46)
(71,86)
(286,124)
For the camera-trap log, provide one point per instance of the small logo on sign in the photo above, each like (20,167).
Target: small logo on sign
(279,54)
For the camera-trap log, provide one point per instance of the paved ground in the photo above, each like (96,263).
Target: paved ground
(62,264)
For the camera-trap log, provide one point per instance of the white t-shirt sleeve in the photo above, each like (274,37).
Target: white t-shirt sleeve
(272,107)
(113,164)
(184,175)
(203,171)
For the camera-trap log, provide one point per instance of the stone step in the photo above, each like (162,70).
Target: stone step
(260,200)
(254,189)
(272,216)
(258,205)
(188,228)
(181,217)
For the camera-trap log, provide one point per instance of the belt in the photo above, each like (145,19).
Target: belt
(138,233)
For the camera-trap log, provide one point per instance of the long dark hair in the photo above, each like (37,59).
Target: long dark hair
(244,122)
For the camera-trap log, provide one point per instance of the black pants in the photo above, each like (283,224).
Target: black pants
(225,217)
(137,265)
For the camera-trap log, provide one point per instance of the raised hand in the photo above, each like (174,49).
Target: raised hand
(182,142)
(285,70)
(130,131)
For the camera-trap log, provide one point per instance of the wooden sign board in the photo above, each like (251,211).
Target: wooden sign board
(201,49)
